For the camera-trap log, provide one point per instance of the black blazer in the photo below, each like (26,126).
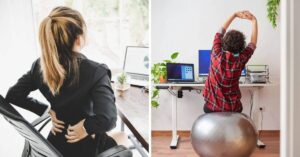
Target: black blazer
(91,98)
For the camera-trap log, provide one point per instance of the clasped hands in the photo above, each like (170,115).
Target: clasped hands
(74,134)
(245,15)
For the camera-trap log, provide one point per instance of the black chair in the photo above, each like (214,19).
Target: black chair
(35,144)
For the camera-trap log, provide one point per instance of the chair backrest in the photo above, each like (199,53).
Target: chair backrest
(38,145)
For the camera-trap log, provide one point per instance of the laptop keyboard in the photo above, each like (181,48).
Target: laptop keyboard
(187,82)
(139,77)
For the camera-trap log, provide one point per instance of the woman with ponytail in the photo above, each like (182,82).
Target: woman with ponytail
(78,90)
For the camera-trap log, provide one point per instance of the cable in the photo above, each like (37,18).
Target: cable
(251,103)
(145,90)
(198,91)
(172,93)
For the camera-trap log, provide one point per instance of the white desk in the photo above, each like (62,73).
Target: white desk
(177,87)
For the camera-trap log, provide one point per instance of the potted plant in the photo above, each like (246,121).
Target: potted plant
(122,84)
(159,75)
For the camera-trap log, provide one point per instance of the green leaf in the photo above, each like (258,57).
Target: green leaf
(272,9)
(163,64)
(153,71)
(174,55)
(154,103)
(167,61)
(155,93)
(122,78)
(159,70)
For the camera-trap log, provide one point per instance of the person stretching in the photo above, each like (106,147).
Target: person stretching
(229,56)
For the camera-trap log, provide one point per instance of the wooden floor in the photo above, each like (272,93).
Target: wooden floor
(161,141)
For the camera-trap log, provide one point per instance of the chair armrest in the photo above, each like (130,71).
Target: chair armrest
(42,118)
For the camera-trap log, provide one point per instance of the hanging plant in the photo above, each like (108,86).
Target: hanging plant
(272,11)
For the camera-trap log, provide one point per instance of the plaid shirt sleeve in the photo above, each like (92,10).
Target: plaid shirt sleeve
(247,53)
(217,46)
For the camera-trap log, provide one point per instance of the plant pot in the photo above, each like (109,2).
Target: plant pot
(162,79)
(122,88)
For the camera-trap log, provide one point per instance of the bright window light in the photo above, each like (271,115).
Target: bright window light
(112,25)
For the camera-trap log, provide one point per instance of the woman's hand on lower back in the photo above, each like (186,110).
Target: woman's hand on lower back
(57,125)
(76,132)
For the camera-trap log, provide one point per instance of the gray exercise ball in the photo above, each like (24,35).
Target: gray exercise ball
(224,134)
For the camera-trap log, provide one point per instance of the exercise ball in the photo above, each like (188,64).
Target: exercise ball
(224,134)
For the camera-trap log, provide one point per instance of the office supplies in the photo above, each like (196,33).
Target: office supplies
(258,73)
(136,65)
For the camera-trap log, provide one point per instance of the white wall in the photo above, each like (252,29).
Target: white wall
(17,53)
(296,78)
(190,25)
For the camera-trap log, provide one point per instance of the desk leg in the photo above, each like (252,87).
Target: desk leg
(122,126)
(137,145)
(255,91)
(175,137)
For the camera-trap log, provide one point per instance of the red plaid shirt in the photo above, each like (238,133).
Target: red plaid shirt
(222,92)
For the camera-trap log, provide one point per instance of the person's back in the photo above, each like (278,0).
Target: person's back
(228,58)
(79,90)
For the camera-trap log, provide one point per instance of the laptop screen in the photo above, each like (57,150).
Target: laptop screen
(204,63)
(178,72)
(136,60)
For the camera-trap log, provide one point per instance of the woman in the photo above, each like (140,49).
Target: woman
(79,91)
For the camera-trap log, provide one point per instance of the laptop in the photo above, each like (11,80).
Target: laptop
(180,73)
(136,65)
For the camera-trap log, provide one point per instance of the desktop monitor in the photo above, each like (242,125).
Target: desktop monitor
(204,63)
(136,60)
(180,72)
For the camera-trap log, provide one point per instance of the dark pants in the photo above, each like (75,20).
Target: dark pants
(207,110)
(87,147)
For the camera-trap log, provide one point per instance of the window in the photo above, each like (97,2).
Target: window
(111,26)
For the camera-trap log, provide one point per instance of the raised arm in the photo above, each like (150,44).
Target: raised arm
(252,18)
(229,21)
(249,50)
(254,30)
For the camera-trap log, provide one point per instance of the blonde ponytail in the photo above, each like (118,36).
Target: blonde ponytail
(57,35)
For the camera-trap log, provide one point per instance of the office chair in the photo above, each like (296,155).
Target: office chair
(35,144)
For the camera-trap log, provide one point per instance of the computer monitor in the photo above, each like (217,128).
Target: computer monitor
(204,63)
(180,72)
(136,60)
